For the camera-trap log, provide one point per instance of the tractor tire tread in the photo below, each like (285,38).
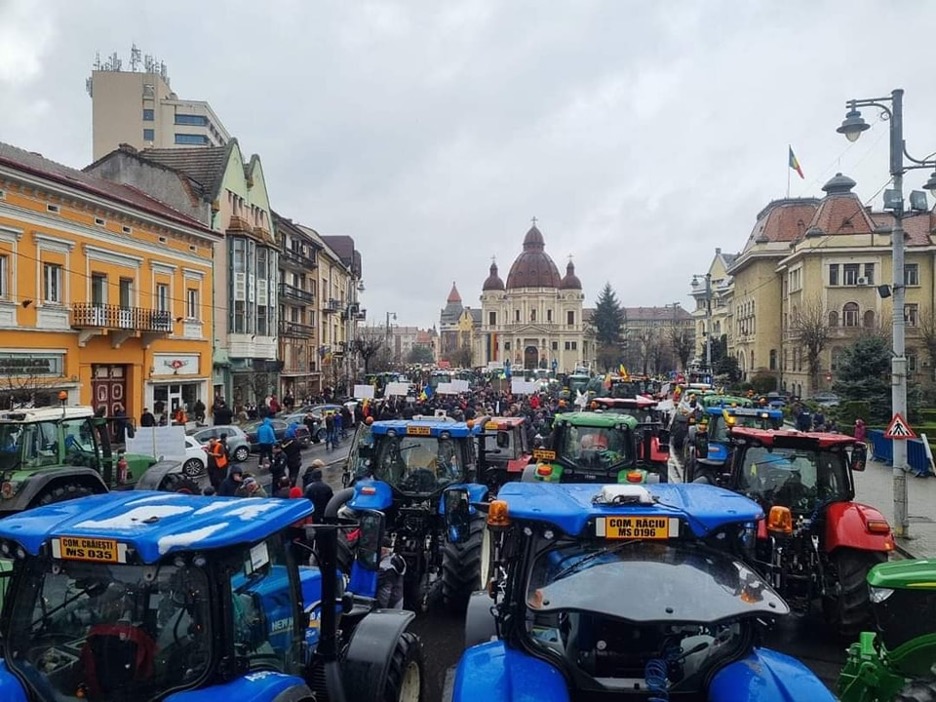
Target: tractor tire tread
(461,567)
(407,651)
(69,491)
(852,611)
(918,690)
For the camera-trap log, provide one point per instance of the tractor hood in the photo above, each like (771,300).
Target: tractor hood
(152,524)
(571,507)
(904,575)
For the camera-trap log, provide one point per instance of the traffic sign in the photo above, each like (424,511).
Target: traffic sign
(899,429)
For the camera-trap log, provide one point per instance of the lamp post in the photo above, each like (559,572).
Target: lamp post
(707,332)
(852,127)
(389,347)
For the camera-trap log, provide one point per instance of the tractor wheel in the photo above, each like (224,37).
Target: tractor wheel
(193,468)
(919,690)
(176,482)
(345,556)
(241,454)
(405,674)
(69,491)
(461,567)
(850,612)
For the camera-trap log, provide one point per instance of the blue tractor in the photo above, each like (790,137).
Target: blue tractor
(625,592)
(403,469)
(153,596)
(708,448)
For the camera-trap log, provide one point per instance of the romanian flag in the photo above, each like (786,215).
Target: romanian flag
(426,393)
(622,371)
(794,164)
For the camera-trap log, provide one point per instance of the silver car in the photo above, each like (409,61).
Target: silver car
(237,443)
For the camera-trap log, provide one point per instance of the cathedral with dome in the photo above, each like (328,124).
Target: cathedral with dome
(535,319)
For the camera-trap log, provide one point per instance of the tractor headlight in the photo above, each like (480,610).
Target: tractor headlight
(8,489)
(879,594)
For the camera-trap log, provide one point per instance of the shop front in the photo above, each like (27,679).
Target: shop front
(35,379)
(176,381)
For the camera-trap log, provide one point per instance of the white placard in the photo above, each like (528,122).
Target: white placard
(461,385)
(522,387)
(159,442)
(396,390)
(363,392)
(446,389)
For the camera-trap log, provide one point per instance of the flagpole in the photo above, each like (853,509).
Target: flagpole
(790,147)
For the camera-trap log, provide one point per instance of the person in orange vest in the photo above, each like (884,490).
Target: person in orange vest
(217,462)
(180,417)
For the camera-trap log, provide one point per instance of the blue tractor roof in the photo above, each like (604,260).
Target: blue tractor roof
(154,524)
(762,412)
(429,426)
(570,506)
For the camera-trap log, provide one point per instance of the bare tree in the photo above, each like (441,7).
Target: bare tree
(368,345)
(683,345)
(462,357)
(20,389)
(810,326)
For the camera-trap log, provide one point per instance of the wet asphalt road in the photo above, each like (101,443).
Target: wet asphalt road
(442,635)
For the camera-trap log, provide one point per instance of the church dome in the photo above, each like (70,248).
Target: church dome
(570,281)
(493,281)
(533,267)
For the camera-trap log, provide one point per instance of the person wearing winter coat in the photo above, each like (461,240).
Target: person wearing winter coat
(293,451)
(266,437)
(231,484)
(318,493)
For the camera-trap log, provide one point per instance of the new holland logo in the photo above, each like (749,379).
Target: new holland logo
(899,429)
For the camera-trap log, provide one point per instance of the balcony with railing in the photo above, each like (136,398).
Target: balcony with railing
(298,258)
(298,294)
(295,330)
(331,305)
(120,323)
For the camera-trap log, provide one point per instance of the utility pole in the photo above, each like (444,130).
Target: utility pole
(708,323)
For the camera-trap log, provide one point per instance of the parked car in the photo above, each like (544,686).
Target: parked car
(279,428)
(237,442)
(316,431)
(826,399)
(196,459)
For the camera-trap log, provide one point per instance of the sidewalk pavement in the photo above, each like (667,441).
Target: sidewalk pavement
(875,487)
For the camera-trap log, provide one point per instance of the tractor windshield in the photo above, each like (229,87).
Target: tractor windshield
(109,632)
(718,428)
(685,608)
(599,448)
(798,478)
(10,446)
(419,464)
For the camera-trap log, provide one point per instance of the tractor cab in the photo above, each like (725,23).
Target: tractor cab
(505,450)
(710,437)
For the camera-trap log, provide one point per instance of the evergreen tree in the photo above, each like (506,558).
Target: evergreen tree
(864,375)
(608,322)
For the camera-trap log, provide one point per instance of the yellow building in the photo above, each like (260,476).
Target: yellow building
(105,293)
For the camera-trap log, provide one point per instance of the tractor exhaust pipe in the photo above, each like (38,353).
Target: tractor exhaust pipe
(337,501)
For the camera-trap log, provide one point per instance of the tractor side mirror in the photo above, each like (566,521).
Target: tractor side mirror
(701,444)
(503,439)
(372,525)
(859,457)
(457,515)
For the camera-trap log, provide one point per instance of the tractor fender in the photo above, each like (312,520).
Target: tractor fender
(480,625)
(156,473)
(261,686)
(767,675)
(371,494)
(365,666)
(516,465)
(529,474)
(846,525)
(495,673)
(10,688)
(338,500)
(476,493)
(38,482)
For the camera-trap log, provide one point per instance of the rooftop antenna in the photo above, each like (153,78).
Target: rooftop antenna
(134,57)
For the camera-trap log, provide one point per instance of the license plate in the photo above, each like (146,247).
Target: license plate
(418,431)
(80,548)
(490,426)
(544,455)
(636,527)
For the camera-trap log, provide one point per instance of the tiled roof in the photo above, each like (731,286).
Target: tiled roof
(475,316)
(37,165)
(342,245)
(783,220)
(842,214)
(650,314)
(205,165)
(917,226)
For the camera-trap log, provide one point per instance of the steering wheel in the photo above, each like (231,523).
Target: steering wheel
(419,480)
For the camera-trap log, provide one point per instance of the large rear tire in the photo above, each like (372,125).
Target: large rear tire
(850,612)
(919,690)
(405,674)
(61,493)
(461,567)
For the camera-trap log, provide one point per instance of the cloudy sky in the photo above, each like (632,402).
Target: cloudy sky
(642,135)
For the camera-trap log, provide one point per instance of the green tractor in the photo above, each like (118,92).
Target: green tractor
(53,454)
(898,661)
(596,447)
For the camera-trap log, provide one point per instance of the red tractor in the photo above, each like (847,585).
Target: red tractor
(653,437)
(506,450)
(816,543)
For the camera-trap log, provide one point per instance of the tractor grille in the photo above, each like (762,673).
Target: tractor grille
(894,623)
(316,683)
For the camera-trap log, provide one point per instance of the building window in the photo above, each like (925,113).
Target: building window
(850,274)
(148,115)
(869,273)
(4,272)
(506,346)
(833,318)
(548,315)
(126,230)
(574,345)
(516,315)
(911,361)
(795,279)
(492,319)
(194,120)
(568,345)
(126,293)
(191,139)
(555,346)
(52,208)
(100,222)
(162,297)
(532,315)
(833,274)
(773,359)
(149,135)
(850,314)
(911,274)
(98,289)
(570,318)
(52,283)
(869,319)
(912,314)
(836,355)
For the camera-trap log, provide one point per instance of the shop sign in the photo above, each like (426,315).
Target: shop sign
(32,364)
(176,364)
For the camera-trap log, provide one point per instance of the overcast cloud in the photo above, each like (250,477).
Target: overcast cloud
(642,135)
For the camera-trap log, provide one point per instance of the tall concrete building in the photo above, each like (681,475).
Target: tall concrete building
(137,107)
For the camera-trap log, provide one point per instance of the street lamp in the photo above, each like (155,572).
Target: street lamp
(852,127)
(707,333)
